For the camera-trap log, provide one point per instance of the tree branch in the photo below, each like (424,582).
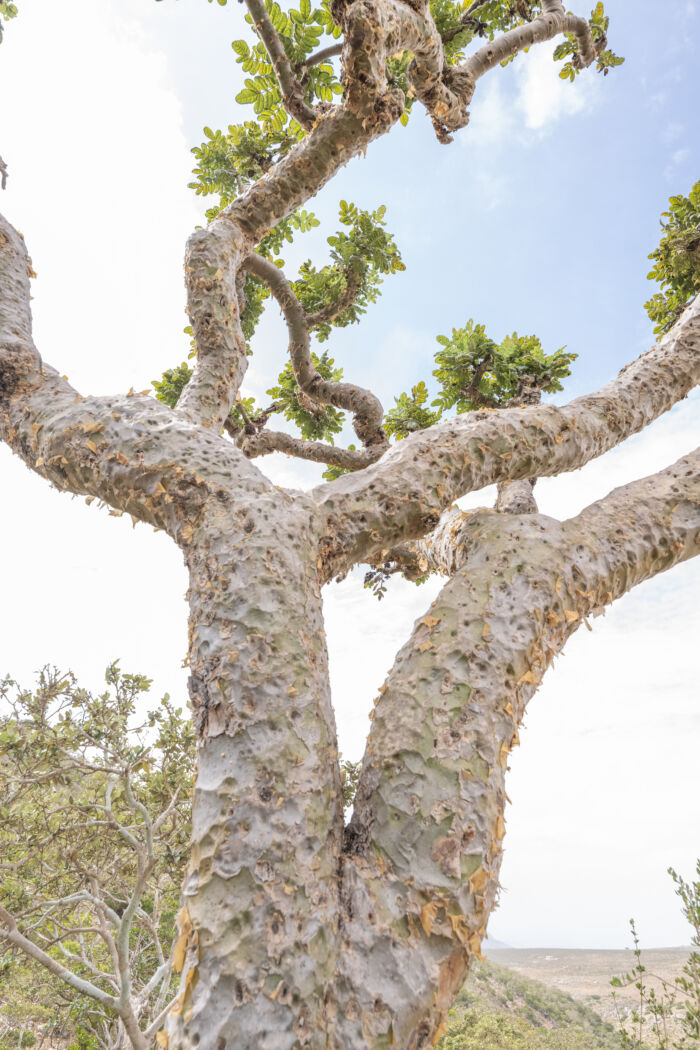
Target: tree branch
(403,495)
(367,410)
(552,21)
(131,451)
(323,55)
(373,31)
(266,441)
(333,310)
(10,933)
(424,845)
(292,91)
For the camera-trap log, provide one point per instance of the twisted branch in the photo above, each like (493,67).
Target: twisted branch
(365,407)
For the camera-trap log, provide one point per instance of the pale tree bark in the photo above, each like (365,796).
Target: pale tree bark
(301,933)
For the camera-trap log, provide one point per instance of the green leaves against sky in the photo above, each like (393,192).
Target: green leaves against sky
(471,370)
(676,261)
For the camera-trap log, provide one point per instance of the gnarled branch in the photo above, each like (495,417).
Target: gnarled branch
(403,495)
(367,410)
(265,442)
(552,21)
(130,451)
(424,846)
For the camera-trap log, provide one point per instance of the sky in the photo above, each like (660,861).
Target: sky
(539,217)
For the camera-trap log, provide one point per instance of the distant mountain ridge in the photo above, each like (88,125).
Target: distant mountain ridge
(491,944)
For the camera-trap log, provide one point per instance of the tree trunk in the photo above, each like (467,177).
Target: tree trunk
(295,937)
(262,888)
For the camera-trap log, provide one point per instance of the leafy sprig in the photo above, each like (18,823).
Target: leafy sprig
(676,261)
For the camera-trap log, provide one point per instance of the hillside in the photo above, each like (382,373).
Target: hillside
(500,1009)
(585,973)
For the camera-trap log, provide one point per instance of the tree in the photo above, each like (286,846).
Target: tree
(95,825)
(670,1017)
(310,933)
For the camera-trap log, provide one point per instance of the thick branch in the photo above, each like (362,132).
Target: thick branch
(367,410)
(403,495)
(130,451)
(20,363)
(424,845)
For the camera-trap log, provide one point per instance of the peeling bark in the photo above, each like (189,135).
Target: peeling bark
(262,885)
(403,495)
(301,936)
(424,846)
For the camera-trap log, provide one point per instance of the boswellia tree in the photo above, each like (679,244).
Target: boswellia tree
(295,930)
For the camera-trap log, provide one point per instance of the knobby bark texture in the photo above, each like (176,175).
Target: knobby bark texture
(300,932)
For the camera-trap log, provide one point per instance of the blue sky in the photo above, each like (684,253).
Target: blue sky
(539,217)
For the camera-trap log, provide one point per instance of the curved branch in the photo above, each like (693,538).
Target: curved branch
(214,255)
(333,310)
(429,470)
(424,846)
(267,441)
(292,92)
(367,410)
(373,31)
(446,91)
(324,55)
(130,451)
(11,934)
(552,21)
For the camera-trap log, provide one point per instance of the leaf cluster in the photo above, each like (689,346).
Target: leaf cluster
(569,48)
(676,261)
(315,421)
(299,30)
(475,372)
(8,10)
(360,258)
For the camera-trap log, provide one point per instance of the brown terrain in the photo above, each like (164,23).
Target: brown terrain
(585,974)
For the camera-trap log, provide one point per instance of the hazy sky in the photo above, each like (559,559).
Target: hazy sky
(539,217)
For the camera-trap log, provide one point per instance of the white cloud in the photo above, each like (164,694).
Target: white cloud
(544,98)
(98,184)
(674,131)
(533,96)
(677,159)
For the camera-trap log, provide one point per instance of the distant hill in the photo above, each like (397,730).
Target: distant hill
(500,1010)
(492,945)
